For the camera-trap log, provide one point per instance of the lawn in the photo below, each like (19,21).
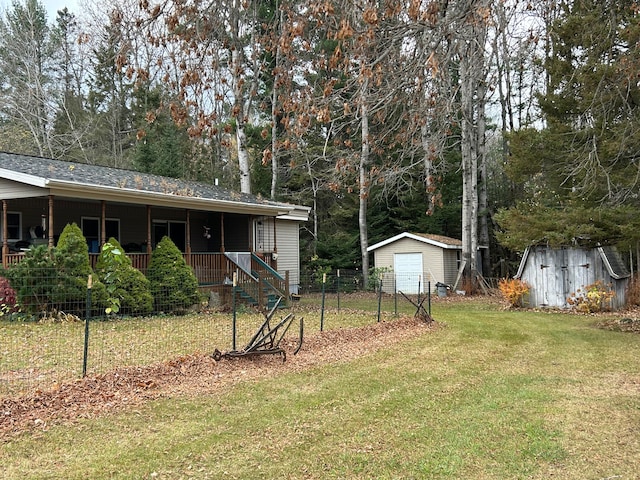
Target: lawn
(491,394)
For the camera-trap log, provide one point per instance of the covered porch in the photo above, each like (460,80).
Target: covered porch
(217,245)
(219,232)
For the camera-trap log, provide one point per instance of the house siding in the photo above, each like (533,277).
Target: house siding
(288,243)
(450,266)
(10,190)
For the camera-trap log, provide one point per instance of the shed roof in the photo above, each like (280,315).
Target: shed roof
(84,181)
(436,240)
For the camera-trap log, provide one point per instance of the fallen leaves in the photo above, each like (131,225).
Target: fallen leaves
(191,375)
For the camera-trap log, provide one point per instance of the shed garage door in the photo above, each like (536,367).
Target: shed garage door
(408,270)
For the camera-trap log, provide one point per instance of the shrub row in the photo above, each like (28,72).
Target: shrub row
(50,280)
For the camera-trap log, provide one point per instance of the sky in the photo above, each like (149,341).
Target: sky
(52,6)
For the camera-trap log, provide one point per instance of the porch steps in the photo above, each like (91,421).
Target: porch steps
(243,297)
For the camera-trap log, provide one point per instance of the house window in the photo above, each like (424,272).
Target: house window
(91,230)
(14,226)
(263,235)
(112,228)
(176,231)
(90,227)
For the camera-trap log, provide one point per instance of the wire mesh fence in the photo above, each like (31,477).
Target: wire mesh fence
(47,339)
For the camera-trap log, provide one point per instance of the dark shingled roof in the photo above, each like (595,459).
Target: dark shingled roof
(119,178)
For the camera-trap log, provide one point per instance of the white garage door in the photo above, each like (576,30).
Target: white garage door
(408,269)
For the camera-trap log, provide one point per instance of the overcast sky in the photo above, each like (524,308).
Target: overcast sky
(52,6)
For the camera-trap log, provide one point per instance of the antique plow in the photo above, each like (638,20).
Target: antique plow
(267,338)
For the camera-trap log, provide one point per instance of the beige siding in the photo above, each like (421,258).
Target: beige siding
(287,239)
(451,266)
(432,259)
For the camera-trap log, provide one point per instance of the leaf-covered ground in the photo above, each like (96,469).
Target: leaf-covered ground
(195,374)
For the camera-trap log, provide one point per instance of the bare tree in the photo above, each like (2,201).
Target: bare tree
(27,93)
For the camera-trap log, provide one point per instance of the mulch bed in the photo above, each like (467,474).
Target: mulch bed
(191,375)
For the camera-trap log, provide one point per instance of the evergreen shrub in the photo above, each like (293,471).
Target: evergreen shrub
(34,279)
(174,286)
(128,290)
(71,259)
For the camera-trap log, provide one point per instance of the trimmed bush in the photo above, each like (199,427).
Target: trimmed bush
(174,286)
(34,279)
(71,258)
(128,290)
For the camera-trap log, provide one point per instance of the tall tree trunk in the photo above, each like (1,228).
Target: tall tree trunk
(275,163)
(241,136)
(472,93)
(364,181)
(483,197)
(469,196)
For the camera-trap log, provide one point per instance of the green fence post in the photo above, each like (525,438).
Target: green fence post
(379,295)
(86,328)
(233,307)
(338,289)
(324,280)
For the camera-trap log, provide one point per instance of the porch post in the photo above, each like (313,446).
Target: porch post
(188,247)
(275,243)
(222,232)
(252,233)
(148,229)
(5,233)
(50,227)
(103,224)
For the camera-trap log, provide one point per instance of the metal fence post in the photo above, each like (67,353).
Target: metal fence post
(86,328)
(324,280)
(233,303)
(379,294)
(338,281)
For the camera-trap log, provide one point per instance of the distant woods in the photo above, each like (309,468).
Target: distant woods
(482,120)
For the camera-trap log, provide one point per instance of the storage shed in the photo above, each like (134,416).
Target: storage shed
(414,259)
(556,274)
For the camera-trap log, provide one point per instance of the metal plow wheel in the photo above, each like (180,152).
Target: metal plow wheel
(267,338)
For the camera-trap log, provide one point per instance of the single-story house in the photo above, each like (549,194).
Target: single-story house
(219,232)
(415,259)
(556,274)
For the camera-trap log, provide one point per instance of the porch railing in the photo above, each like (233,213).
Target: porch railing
(214,271)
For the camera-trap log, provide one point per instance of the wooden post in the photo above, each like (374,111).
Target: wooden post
(148,229)
(5,233)
(188,247)
(275,243)
(50,229)
(103,224)
(222,232)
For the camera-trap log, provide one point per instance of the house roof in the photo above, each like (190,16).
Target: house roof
(46,176)
(436,240)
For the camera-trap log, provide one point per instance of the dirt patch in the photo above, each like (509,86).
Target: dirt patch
(192,375)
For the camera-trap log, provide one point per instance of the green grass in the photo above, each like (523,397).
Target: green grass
(492,395)
(37,355)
